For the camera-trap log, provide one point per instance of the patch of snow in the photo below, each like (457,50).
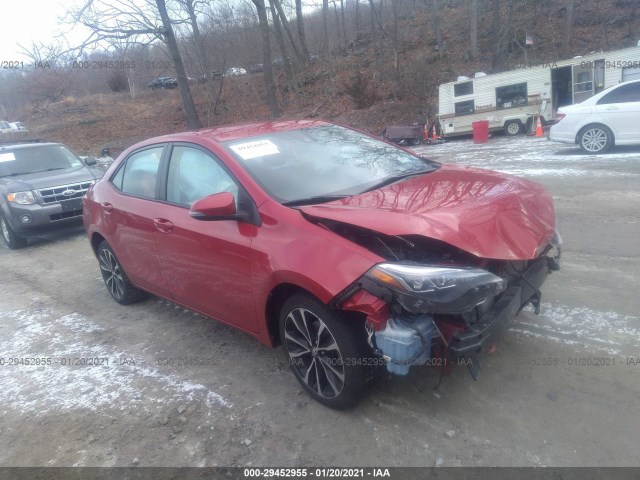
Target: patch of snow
(581,326)
(112,385)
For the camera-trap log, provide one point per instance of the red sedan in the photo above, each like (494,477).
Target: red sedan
(352,253)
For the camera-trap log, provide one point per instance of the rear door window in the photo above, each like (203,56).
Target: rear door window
(624,94)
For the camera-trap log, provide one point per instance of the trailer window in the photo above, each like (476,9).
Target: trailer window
(511,96)
(465,108)
(584,82)
(461,89)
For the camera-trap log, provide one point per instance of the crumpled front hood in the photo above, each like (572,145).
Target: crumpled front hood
(489,214)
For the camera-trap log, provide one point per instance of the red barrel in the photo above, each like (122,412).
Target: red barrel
(480,131)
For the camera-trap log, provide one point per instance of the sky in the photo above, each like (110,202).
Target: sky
(26,21)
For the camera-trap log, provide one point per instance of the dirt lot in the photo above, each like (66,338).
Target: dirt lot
(539,401)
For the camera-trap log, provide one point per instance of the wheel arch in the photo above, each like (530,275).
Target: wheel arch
(275,300)
(96,240)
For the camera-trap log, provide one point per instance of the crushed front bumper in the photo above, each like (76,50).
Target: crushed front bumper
(526,289)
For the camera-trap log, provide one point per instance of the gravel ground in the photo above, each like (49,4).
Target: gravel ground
(175,389)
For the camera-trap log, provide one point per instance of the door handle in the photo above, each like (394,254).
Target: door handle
(107,207)
(165,226)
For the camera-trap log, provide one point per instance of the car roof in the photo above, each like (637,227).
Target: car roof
(246,130)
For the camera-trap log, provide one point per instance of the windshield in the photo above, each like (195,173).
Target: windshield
(20,161)
(323,161)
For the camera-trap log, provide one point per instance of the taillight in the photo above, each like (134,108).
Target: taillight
(559,116)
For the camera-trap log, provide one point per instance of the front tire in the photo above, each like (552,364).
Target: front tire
(119,286)
(12,240)
(327,353)
(595,139)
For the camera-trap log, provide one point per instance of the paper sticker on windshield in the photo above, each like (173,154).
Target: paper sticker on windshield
(7,157)
(255,149)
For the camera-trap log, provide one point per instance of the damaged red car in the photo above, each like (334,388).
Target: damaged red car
(353,254)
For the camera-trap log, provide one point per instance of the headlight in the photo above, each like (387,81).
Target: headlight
(21,198)
(436,289)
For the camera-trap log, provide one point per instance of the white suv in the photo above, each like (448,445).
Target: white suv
(611,117)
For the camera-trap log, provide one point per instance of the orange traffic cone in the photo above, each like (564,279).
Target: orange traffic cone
(539,132)
(435,132)
(425,131)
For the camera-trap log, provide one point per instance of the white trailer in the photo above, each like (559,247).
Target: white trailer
(511,100)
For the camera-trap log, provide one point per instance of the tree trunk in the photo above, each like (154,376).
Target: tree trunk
(496,60)
(396,68)
(201,57)
(287,29)
(568,29)
(344,25)
(338,31)
(327,44)
(375,34)
(357,20)
(436,25)
(473,28)
(277,27)
(193,122)
(300,22)
(272,100)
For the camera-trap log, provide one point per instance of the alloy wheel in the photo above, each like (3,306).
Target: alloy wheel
(314,353)
(594,140)
(111,273)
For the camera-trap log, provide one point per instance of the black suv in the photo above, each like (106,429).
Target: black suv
(41,188)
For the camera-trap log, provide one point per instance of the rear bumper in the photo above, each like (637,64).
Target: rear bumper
(472,341)
(562,137)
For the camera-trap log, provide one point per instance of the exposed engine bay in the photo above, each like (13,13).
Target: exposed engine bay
(433,299)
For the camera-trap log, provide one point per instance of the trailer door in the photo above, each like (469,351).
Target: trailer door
(582,81)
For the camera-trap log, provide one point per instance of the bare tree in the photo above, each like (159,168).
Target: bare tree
(214,89)
(376,34)
(277,28)
(437,29)
(136,21)
(396,66)
(344,24)
(327,42)
(193,122)
(473,28)
(301,33)
(568,28)
(287,30)
(496,59)
(272,100)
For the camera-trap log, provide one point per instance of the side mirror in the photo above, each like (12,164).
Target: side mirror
(220,206)
(90,161)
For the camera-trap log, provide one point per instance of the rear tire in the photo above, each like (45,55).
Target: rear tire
(595,139)
(12,240)
(118,285)
(513,127)
(327,353)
